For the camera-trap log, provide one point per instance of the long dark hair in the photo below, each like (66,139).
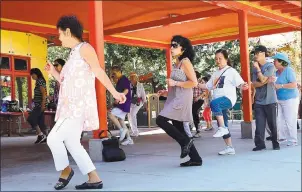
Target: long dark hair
(37,72)
(186,45)
(225,55)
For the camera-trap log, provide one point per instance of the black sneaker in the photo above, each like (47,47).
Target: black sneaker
(191,163)
(269,138)
(40,139)
(276,147)
(259,148)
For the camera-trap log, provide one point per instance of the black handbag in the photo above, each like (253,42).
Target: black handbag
(111,149)
(13,106)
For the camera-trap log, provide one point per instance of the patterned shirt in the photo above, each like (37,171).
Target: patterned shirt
(197,91)
(77,97)
(37,92)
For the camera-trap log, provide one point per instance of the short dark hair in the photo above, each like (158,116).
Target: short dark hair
(198,75)
(206,79)
(37,72)
(60,62)
(116,68)
(71,22)
(186,45)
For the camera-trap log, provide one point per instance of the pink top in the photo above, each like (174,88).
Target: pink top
(77,97)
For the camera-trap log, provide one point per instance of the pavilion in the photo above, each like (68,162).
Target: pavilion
(153,23)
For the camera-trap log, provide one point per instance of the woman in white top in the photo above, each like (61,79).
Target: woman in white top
(223,83)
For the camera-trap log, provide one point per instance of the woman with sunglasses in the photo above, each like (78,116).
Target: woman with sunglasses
(58,64)
(178,106)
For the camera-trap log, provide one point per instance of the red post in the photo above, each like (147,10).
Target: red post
(245,67)
(96,39)
(168,62)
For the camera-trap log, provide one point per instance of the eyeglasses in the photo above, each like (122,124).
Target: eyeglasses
(174,45)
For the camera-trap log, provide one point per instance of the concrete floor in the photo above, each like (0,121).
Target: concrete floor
(153,164)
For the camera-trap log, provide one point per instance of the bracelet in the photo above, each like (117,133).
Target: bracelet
(258,71)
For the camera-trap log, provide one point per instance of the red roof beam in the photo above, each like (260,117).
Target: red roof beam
(270,3)
(167,21)
(296,14)
(278,7)
(295,10)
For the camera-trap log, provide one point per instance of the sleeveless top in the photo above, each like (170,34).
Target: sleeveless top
(178,105)
(77,97)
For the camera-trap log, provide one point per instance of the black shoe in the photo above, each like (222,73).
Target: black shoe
(259,148)
(269,138)
(276,147)
(98,185)
(62,183)
(40,139)
(185,150)
(191,163)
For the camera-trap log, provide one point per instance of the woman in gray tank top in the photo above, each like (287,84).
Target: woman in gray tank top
(178,106)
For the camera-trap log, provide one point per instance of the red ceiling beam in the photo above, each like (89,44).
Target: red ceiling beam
(160,22)
(251,34)
(27,28)
(138,43)
(295,10)
(270,3)
(278,7)
(296,14)
(258,12)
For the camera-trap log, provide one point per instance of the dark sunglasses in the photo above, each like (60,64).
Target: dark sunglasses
(174,45)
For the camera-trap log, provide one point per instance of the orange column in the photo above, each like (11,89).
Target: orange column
(96,38)
(168,62)
(245,67)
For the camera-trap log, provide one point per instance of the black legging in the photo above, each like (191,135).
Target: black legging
(195,109)
(177,132)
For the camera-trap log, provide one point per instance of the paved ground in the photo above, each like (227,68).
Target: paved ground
(153,164)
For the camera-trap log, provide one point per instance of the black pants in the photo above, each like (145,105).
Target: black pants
(177,132)
(263,114)
(195,111)
(36,118)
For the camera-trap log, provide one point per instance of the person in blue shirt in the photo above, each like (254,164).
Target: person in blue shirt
(288,99)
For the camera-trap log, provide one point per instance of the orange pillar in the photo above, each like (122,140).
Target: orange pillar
(168,62)
(245,64)
(96,39)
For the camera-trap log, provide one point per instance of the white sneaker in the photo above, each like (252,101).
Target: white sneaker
(227,151)
(282,141)
(134,134)
(292,143)
(221,132)
(128,142)
(123,133)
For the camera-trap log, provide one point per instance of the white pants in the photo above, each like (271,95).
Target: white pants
(187,129)
(132,117)
(287,119)
(67,133)
(119,123)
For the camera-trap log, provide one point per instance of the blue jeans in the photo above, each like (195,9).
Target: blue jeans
(220,107)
